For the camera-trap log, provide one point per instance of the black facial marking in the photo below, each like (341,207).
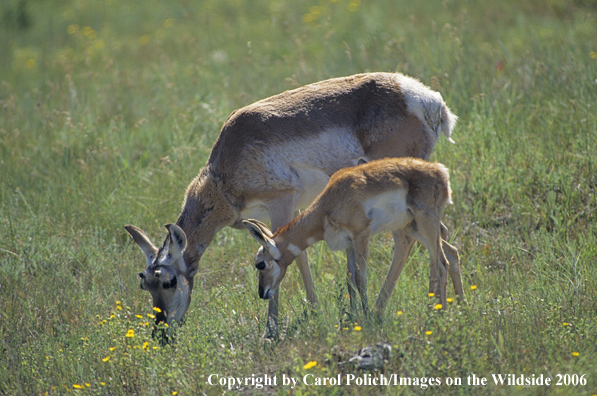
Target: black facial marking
(161,317)
(142,275)
(260,265)
(169,285)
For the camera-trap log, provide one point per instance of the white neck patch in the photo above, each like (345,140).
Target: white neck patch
(294,249)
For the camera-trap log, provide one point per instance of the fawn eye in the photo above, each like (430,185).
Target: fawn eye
(260,265)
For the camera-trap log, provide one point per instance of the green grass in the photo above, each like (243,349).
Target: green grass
(108,109)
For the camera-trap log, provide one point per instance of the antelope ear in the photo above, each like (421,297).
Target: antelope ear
(178,239)
(263,227)
(262,234)
(143,242)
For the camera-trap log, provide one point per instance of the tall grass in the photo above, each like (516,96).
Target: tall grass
(108,109)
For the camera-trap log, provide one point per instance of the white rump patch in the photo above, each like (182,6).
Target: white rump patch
(428,106)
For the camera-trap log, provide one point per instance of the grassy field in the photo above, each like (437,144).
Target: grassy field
(108,109)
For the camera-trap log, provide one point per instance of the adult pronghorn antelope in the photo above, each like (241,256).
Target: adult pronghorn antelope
(276,155)
(394,194)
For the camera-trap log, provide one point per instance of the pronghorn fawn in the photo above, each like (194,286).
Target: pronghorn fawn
(397,195)
(275,156)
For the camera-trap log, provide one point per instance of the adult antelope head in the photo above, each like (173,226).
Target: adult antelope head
(167,278)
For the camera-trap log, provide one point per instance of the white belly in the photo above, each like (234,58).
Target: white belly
(313,182)
(388,211)
(255,210)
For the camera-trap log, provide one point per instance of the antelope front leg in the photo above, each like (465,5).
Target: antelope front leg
(303,266)
(361,251)
(441,270)
(433,281)
(351,269)
(453,258)
(403,244)
(271,326)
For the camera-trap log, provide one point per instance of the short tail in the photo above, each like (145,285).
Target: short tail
(448,121)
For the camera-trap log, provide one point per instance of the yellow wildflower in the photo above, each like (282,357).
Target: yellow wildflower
(89,32)
(157,309)
(354,5)
(428,332)
(77,386)
(473,287)
(72,29)
(309,365)
(130,333)
(575,354)
(357,328)
(431,294)
(438,306)
(106,359)
(449,299)
(399,313)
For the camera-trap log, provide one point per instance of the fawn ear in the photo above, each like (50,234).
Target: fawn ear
(178,240)
(263,235)
(143,242)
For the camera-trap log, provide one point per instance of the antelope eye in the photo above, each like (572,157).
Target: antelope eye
(260,265)
(169,285)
